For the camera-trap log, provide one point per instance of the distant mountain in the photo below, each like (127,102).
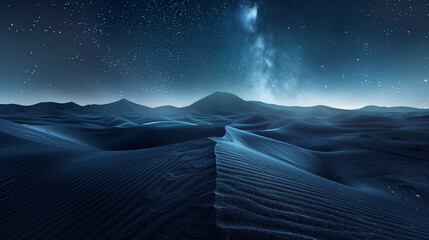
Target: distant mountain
(327,109)
(372,108)
(50,108)
(220,102)
(122,106)
(217,103)
(314,110)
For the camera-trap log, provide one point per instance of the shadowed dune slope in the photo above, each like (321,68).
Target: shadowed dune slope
(141,136)
(158,193)
(260,195)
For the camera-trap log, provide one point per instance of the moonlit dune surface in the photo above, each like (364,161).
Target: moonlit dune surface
(221,168)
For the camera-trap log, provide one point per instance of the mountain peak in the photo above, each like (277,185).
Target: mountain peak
(219,98)
(121,106)
(221,102)
(223,94)
(124,101)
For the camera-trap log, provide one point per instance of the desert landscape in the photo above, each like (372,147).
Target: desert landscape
(221,168)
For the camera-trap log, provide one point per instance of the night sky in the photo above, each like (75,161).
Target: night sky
(345,54)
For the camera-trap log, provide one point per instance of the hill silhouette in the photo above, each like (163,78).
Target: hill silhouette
(223,102)
(216,103)
(121,106)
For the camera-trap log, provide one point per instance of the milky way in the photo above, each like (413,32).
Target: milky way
(340,53)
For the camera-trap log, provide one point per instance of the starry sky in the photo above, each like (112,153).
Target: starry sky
(344,54)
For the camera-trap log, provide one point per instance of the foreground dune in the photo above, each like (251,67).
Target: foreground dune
(278,193)
(222,168)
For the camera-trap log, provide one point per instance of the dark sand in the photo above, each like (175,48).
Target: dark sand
(221,168)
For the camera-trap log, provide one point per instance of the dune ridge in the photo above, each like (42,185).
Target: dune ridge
(260,195)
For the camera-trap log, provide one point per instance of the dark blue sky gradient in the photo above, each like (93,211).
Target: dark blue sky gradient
(339,53)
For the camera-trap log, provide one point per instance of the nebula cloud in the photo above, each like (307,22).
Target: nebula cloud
(272,75)
(248,16)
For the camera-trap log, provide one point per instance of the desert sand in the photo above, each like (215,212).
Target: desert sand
(221,168)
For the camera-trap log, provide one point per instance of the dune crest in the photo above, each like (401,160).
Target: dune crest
(274,194)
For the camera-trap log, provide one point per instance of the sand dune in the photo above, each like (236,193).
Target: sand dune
(221,168)
(151,193)
(260,195)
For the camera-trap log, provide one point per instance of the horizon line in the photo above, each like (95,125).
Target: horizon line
(222,92)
